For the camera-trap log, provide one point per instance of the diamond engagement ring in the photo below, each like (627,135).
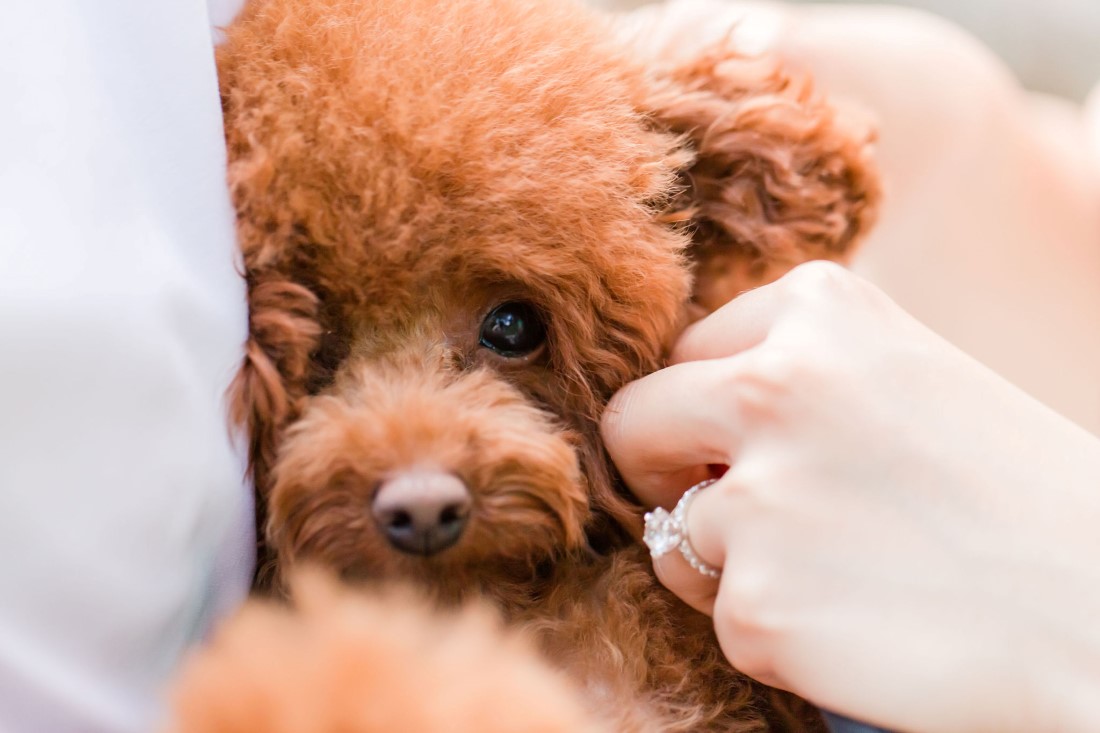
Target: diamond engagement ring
(667,531)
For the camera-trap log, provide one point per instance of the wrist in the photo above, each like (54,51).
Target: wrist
(1030,561)
(1066,694)
(1062,593)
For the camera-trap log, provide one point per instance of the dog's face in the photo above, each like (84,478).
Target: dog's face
(449,427)
(465,225)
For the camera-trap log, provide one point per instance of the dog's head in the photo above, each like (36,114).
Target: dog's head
(465,225)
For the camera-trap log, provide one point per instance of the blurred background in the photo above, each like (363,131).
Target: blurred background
(1052,45)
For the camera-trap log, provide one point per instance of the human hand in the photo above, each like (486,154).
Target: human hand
(990,192)
(906,538)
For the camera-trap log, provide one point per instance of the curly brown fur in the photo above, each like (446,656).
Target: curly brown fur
(399,168)
(777,178)
(350,663)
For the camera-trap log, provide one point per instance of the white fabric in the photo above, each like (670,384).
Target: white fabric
(124,525)
(222,13)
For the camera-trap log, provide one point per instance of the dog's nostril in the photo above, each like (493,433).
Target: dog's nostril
(422,512)
(451,513)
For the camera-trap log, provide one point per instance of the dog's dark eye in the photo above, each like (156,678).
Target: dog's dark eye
(513,329)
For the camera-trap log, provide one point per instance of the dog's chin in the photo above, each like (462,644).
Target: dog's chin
(451,581)
(501,561)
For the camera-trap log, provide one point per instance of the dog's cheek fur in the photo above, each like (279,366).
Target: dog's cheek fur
(597,350)
(529,498)
(779,177)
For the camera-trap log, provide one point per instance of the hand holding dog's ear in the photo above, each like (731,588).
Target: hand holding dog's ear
(778,176)
(875,472)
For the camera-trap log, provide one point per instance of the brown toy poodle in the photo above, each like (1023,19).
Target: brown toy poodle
(465,224)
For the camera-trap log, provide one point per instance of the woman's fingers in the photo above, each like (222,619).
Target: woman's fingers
(737,326)
(712,517)
(748,320)
(691,586)
(704,532)
(663,430)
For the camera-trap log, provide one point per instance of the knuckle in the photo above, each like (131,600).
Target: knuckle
(752,663)
(817,280)
(745,598)
(742,634)
(779,364)
(744,622)
(756,665)
(766,378)
(817,272)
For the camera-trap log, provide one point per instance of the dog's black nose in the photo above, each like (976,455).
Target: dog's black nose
(422,512)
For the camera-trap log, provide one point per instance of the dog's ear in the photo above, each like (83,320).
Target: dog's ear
(777,177)
(271,383)
(283,311)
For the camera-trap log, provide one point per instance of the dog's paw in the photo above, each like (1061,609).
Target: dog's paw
(355,662)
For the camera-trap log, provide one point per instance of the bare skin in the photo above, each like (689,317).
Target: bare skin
(906,538)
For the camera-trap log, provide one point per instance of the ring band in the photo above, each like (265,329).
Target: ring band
(667,531)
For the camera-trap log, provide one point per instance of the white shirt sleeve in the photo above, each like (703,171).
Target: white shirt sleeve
(125,527)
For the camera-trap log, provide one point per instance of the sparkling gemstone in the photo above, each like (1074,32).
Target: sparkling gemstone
(662,532)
